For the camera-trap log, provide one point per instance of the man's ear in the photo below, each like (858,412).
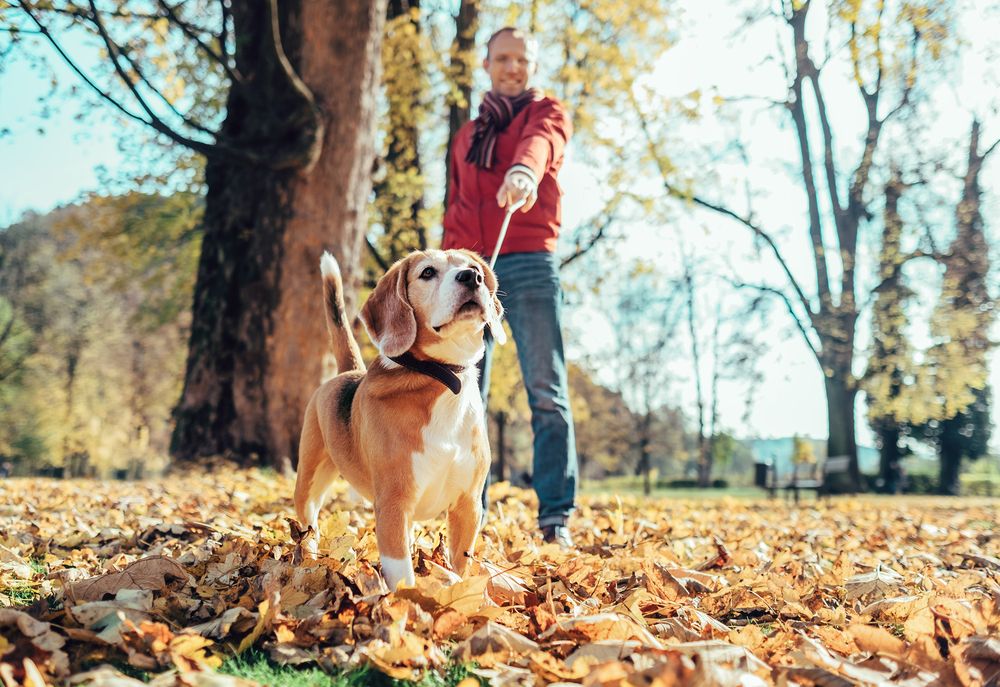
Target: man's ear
(387,314)
(494,310)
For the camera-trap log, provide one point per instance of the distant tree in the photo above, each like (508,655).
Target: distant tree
(724,449)
(957,363)
(645,317)
(24,266)
(603,425)
(104,296)
(890,407)
(890,50)
(733,351)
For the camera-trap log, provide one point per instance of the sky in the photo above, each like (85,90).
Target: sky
(53,160)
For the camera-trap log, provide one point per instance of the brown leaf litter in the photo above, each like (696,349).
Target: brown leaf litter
(174,576)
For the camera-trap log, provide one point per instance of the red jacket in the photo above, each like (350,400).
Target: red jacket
(535,138)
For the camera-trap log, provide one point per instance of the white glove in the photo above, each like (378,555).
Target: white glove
(519,183)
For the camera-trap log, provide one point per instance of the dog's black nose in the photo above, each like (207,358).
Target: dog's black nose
(469,277)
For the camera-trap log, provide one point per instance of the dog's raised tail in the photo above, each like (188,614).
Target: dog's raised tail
(342,341)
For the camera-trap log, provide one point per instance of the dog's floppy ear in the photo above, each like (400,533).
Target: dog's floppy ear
(494,311)
(387,314)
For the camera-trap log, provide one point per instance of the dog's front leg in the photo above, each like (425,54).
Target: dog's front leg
(463,528)
(392,531)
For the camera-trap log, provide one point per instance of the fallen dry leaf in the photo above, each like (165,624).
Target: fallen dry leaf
(978,662)
(493,644)
(27,645)
(175,575)
(874,585)
(153,574)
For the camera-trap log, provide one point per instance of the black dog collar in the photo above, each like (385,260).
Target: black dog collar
(442,372)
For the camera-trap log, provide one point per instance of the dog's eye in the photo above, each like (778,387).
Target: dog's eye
(428,273)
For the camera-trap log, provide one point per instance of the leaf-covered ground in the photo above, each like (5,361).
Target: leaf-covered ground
(169,579)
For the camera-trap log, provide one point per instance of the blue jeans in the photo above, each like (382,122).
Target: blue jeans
(532,299)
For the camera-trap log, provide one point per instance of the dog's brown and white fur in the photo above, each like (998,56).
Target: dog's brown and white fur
(402,439)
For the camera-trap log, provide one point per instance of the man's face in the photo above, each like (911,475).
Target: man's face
(510,64)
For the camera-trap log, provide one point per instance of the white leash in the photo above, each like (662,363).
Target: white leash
(511,209)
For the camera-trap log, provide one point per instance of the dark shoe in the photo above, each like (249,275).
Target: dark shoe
(557,534)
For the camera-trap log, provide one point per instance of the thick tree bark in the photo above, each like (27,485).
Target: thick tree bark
(257,339)
(840,399)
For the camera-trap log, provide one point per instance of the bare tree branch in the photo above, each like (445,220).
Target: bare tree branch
(310,131)
(114,50)
(760,233)
(803,329)
(797,22)
(80,14)
(582,248)
(829,164)
(697,200)
(76,69)
(142,77)
(990,149)
(190,32)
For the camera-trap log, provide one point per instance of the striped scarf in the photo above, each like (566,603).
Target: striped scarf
(495,114)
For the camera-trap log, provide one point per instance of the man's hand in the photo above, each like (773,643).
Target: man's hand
(517,185)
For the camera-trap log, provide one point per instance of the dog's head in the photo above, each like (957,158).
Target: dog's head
(437,302)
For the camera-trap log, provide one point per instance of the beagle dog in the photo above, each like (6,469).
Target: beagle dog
(408,433)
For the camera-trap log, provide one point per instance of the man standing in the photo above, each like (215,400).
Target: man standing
(511,152)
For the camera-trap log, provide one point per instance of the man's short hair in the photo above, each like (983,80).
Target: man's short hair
(530,43)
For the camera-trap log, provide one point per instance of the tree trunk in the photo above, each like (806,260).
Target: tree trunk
(704,463)
(950,459)
(644,457)
(644,462)
(704,469)
(257,342)
(890,470)
(841,442)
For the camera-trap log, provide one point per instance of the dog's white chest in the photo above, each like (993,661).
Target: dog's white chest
(447,465)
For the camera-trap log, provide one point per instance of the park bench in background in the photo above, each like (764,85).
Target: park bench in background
(803,478)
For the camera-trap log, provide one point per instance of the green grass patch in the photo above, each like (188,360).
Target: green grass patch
(21,595)
(255,665)
(25,592)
